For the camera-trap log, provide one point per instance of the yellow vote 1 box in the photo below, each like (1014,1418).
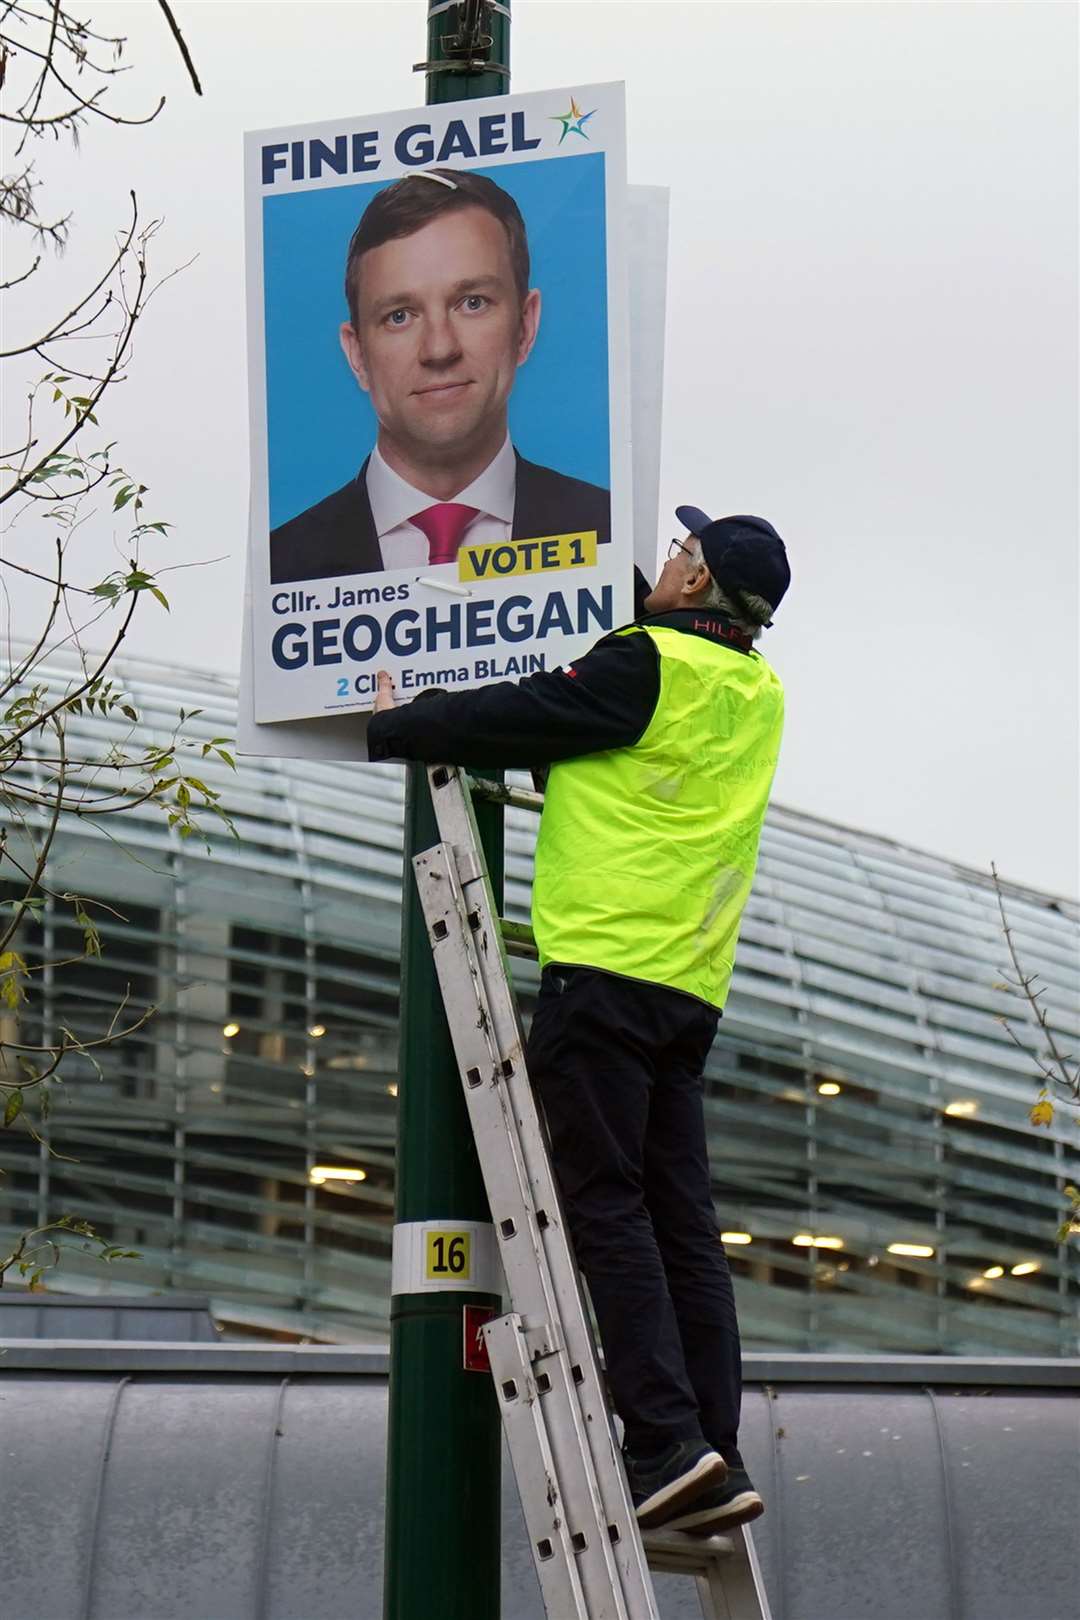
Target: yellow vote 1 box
(505,558)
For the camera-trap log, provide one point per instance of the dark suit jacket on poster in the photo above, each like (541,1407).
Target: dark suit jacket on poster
(337,535)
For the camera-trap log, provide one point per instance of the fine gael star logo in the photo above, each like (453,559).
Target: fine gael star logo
(573,122)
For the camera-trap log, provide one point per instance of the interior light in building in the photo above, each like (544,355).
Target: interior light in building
(230,1030)
(806,1240)
(976,1282)
(963,1108)
(789,1094)
(308,1069)
(919,1251)
(736,1237)
(1025,1268)
(392,1089)
(994,1271)
(316,1030)
(828,1088)
(334,1172)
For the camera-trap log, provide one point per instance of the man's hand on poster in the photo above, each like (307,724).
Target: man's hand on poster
(384,697)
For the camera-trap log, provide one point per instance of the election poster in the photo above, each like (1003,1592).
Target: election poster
(440,400)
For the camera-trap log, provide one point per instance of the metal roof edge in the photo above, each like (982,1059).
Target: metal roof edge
(35,1299)
(305,1360)
(142,1356)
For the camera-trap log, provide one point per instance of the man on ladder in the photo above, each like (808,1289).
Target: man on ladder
(662,743)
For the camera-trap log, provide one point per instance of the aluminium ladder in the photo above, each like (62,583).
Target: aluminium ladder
(591,1560)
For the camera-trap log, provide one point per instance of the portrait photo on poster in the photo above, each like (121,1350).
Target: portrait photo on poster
(445,449)
(447,301)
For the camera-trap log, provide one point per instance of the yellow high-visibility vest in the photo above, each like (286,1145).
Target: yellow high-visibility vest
(646,854)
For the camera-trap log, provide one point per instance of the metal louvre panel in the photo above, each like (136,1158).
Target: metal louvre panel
(862,964)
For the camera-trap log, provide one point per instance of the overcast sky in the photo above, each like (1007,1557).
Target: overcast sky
(872,340)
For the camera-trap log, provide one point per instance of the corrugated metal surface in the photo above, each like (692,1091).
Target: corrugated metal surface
(170,1494)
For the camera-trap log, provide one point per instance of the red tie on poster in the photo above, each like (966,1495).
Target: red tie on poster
(444,526)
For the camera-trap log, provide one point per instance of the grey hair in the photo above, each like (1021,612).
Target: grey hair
(749,613)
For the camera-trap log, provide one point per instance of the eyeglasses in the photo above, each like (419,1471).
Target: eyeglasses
(675,547)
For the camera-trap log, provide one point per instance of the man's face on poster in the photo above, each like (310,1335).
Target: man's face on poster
(441,330)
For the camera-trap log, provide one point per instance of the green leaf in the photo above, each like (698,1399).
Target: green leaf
(160,596)
(12,968)
(91,937)
(13,1107)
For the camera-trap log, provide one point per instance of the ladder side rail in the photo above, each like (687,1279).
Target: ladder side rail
(456,822)
(496,1131)
(607,1565)
(550,1232)
(755,1599)
(535,1469)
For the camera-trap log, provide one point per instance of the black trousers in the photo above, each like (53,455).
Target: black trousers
(617,1065)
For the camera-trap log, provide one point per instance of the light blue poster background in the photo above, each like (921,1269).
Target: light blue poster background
(320,423)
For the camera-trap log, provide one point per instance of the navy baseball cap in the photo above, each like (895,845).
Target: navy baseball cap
(745,552)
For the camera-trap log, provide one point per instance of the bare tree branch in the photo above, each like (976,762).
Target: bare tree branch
(179,38)
(1058,1071)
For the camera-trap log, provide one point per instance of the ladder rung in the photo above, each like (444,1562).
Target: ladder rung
(481,787)
(672,1553)
(518,938)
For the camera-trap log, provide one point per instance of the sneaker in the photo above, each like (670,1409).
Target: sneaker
(674,1480)
(721,1508)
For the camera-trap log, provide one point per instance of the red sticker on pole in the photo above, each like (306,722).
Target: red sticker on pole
(473,1319)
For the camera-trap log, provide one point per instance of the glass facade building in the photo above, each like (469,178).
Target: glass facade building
(875,1170)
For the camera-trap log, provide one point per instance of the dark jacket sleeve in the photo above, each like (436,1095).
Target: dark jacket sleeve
(605,700)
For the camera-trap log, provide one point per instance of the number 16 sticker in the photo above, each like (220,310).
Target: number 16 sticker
(448,1255)
(432,1256)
